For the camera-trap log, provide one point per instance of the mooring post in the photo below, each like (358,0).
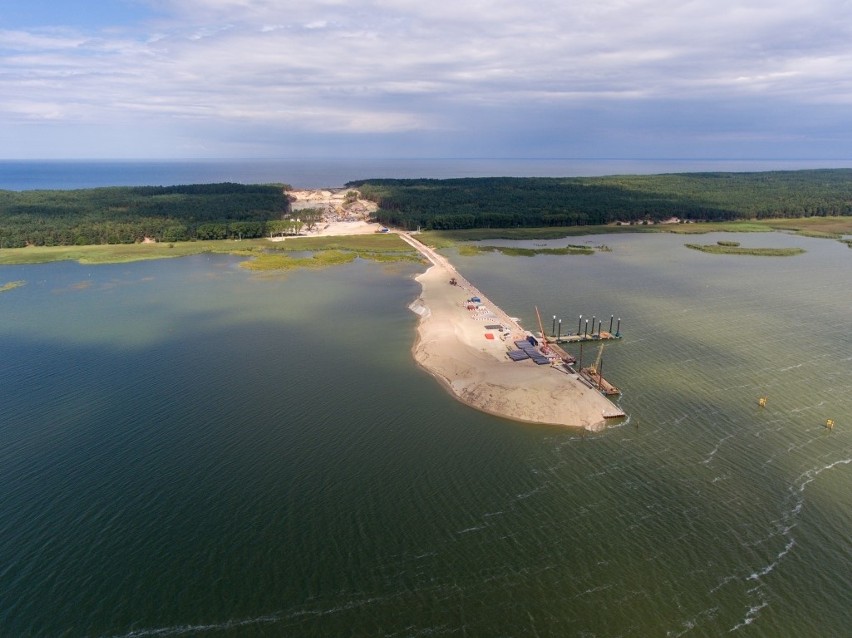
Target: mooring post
(586,329)
(610,323)
(559,334)
(553,329)
(618,329)
(579,324)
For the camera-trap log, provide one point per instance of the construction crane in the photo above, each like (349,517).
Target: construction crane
(596,368)
(541,328)
(593,372)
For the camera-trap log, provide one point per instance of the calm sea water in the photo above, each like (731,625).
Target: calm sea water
(191,449)
(312,173)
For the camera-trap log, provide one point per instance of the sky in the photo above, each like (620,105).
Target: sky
(746,79)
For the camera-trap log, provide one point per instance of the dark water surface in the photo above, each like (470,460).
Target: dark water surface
(321,173)
(189,448)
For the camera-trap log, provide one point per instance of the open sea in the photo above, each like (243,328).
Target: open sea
(188,448)
(331,173)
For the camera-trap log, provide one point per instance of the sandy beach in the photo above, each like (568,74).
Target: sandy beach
(452,346)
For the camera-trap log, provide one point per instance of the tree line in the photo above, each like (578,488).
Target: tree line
(239,211)
(503,202)
(118,215)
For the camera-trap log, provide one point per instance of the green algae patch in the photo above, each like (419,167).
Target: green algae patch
(331,251)
(11,285)
(726,249)
(283,261)
(121,253)
(384,243)
(280,260)
(470,250)
(375,247)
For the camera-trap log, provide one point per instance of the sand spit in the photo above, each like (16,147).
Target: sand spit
(451,342)
(452,346)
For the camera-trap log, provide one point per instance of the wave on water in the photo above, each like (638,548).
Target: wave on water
(716,449)
(184,630)
(751,615)
(785,528)
(788,368)
(688,625)
(476,528)
(266,619)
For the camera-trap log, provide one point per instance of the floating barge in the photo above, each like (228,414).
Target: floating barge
(594,375)
(603,335)
(567,359)
(596,379)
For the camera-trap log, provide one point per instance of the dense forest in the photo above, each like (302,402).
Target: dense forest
(223,211)
(503,202)
(120,215)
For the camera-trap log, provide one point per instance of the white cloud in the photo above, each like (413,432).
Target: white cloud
(396,66)
(43,41)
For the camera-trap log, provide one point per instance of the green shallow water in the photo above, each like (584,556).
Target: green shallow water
(191,449)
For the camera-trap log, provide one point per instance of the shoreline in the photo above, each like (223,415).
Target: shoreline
(451,346)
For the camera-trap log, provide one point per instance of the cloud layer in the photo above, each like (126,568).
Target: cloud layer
(467,77)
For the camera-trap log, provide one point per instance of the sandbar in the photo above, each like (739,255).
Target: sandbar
(452,346)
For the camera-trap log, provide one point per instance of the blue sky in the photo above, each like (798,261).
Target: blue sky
(751,79)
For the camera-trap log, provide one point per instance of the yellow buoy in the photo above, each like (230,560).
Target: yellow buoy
(829,423)
(762,402)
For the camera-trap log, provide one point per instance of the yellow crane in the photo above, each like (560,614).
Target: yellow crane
(596,367)
(541,328)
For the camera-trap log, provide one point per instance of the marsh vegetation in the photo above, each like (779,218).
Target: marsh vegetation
(473,249)
(11,285)
(733,248)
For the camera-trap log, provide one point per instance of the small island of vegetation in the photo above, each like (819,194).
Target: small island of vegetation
(473,249)
(11,285)
(733,248)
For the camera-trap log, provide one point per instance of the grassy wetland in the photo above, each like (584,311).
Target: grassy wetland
(333,250)
(328,251)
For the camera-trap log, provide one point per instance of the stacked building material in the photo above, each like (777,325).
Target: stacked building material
(532,352)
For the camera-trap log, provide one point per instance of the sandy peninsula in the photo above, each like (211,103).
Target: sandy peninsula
(453,347)
(451,337)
